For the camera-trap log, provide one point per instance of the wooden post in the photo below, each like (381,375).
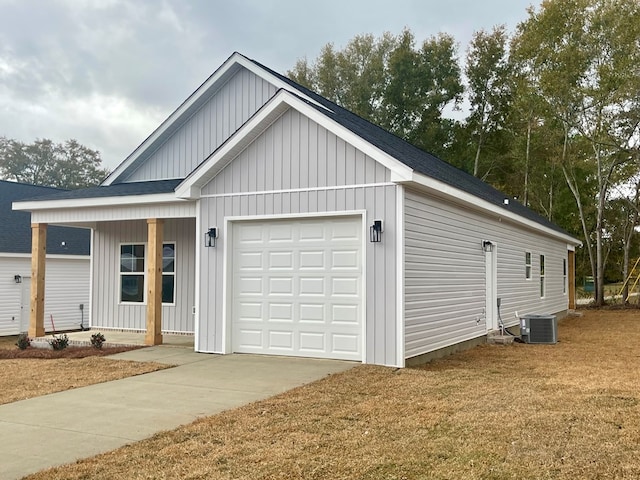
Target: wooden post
(572,278)
(38,261)
(153,335)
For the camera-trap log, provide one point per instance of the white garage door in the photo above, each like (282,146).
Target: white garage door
(297,288)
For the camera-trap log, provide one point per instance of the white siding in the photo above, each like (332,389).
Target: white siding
(208,128)
(295,153)
(66,287)
(445,273)
(111,213)
(107,312)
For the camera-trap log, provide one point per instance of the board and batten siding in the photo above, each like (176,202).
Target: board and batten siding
(217,119)
(107,311)
(66,287)
(445,273)
(296,168)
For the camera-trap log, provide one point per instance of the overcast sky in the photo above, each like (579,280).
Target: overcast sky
(107,72)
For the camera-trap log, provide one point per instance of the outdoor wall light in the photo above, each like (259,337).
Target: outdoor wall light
(487,245)
(210,237)
(375,231)
(17,278)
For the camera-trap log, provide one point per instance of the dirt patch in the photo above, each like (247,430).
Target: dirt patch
(40,371)
(562,411)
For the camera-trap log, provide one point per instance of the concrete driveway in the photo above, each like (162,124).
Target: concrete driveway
(63,427)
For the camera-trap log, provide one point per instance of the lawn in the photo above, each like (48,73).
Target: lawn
(562,411)
(34,372)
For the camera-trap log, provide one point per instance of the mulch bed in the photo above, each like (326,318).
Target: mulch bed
(69,352)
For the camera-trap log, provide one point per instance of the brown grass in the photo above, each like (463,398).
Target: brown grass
(565,411)
(33,372)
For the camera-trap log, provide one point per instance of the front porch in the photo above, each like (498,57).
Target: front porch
(115,337)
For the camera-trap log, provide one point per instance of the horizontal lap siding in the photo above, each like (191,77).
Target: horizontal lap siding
(445,273)
(66,287)
(208,128)
(296,153)
(107,311)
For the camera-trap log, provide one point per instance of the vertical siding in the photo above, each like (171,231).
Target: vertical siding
(107,312)
(445,273)
(297,153)
(67,286)
(208,128)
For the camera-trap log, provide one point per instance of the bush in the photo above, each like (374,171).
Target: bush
(59,343)
(23,342)
(97,340)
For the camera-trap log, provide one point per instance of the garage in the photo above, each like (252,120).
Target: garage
(297,287)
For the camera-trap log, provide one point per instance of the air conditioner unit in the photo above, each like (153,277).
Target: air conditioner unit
(539,329)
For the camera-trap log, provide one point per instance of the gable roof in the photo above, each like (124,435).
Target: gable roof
(15,234)
(418,160)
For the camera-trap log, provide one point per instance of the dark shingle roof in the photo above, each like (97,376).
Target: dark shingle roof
(15,233)
(419,160)
(116,190)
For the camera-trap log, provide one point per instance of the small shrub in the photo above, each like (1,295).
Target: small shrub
(97,340)
(23,342)
(59,343)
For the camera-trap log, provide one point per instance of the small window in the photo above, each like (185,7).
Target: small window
(564,276)
(542,286)
(168,272)
(527,265)
(132,273)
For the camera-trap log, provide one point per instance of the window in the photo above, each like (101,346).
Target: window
(168,272)
(132,273)
(541,276)
(527,265)
(564,276)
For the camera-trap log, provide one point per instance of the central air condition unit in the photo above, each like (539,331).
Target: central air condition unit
(539,328)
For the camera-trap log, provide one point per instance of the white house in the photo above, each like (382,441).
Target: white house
(67,269)
(265,219)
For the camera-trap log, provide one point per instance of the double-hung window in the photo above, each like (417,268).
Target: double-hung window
(133,273)
(564,276)
(527,265)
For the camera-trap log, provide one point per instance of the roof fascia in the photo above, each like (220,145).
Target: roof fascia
(213,83)
(270,112)
(35,205)
(442,189)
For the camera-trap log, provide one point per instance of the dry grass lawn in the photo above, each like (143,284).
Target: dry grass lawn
(565,411)
(33,372)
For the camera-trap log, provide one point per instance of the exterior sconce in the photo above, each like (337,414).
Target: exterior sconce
(375,231)
(210,237)
(17,278)
(487,245)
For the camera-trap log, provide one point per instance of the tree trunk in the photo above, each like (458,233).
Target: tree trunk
(526,165)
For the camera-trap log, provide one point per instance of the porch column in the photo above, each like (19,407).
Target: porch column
(153,335)
(38,260)
(572,278)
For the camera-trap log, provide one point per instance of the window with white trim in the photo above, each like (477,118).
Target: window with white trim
(542,276)
(168,272)
(132,272)
(527,265)
(564,276)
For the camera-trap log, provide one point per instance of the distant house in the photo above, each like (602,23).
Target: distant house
(262,218)
(67,269)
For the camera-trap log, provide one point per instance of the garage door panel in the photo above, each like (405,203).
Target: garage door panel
(311,286)
(297,288)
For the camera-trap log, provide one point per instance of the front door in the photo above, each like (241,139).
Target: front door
(491,285)
(25,306)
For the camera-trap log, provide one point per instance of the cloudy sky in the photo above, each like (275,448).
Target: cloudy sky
(107,72)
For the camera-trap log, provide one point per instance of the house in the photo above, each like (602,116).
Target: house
(262,218)
(67,267)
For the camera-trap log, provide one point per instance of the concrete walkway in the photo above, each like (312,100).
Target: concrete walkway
(62,427)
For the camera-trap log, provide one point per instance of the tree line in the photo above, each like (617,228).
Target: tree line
(67,165)
(551,113)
